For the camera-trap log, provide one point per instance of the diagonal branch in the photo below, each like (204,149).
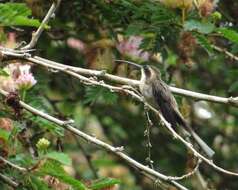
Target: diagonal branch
(13,165)
(227,53)
(9,181)
(36,35)
(115,150)
(88,81)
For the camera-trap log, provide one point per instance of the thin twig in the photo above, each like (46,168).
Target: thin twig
(233,101)
(227,53)
(8,181)
(36,35)
(13,165)
(190,173)
(148,143)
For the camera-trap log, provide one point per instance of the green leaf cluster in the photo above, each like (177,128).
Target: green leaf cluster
(16,14)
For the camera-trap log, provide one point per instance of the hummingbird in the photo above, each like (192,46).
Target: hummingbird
(157,93)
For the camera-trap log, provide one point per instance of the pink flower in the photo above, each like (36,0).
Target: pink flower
(19,77)
(130,47)
(25,80)
(76,44)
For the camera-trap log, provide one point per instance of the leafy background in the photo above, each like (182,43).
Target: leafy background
(189,62)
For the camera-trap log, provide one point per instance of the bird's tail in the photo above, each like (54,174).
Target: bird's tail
(206,149)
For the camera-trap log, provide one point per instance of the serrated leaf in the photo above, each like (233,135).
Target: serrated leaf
(16,14)
(201,27)
(3,73)
(54,169)
(60,156)
(203,41)
(229,34)
(134,29)
(104,183)
(99,94)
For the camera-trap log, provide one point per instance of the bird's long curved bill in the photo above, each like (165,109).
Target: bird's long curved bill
(129,62)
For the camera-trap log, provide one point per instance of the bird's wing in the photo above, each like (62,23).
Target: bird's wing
(165,101)
(169,109)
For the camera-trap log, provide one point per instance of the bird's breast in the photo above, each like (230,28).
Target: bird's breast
(147,92)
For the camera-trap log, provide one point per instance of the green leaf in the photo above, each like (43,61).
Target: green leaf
(201,27)
(233,87)
(104,183)
(133,29)
(172,58)
(60,156)
(54,168)
(37,184)
(229,34)
(46,125)
(3,73)
(101,95)
(4,134)
(16,14)
(203,41)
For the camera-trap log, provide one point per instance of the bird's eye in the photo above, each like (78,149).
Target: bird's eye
(147,70)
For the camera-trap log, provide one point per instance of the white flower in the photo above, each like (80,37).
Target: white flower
(25,81)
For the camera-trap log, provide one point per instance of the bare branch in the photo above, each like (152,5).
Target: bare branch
(227,53)
(147,135)
(13,165)
(88,81)
(8,181)
(233,101)
(36,35)
(94,140)
(190,173)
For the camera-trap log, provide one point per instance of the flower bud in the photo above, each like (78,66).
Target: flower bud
(216,15)
(43,144)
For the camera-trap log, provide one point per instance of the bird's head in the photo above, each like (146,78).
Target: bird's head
(149,72)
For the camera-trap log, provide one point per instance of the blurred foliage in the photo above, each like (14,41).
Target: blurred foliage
(16,14)
(184,43)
